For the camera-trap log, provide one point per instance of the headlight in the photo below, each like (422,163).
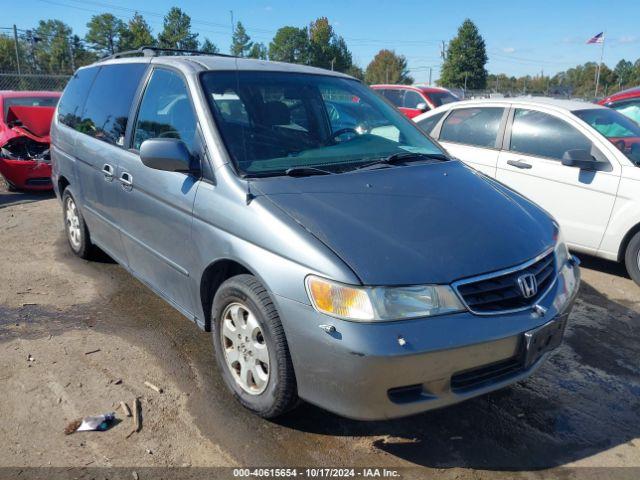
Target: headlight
(561,251)
(372,304)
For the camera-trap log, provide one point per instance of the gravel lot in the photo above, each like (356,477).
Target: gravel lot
(581,410)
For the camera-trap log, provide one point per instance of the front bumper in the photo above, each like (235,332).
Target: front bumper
(364,371)
(26,174)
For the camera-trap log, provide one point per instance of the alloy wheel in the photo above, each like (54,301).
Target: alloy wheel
(245,348)
(73,224)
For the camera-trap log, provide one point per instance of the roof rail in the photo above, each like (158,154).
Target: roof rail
(151,51)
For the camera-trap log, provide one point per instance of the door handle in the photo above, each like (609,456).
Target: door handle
(107,171)
(126,180)
(519,164)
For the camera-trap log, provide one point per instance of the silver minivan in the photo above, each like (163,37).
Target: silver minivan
(337,254)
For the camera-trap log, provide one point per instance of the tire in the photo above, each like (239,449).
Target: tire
(76,230)
(244,323)
(632,258)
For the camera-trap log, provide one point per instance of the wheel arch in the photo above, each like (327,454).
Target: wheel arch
(213,276)
(625,241)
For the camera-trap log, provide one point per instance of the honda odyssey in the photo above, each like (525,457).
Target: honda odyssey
(335,252)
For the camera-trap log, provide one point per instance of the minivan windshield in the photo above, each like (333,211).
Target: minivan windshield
(623,132)
(272,122)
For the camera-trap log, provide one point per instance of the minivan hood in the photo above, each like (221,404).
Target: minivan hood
(417,224)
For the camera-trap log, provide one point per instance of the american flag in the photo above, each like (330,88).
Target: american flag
(599,38)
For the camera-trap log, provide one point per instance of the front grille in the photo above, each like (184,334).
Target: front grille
(486,374)
(500,292)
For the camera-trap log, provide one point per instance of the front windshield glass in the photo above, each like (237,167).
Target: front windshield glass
(623,132)
(274,121)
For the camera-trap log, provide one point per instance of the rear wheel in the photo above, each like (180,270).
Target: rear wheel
(632,258)
(251,348)
(75,228)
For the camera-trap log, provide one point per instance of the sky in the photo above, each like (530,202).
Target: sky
(521,37)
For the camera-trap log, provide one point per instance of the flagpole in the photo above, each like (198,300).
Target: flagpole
(604,36)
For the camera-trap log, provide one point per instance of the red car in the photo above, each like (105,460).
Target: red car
(24,138)
(626,102)
(412,100)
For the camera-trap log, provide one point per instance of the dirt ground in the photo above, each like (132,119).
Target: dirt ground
(579,413)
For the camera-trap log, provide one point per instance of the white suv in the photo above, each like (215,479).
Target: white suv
(577,160)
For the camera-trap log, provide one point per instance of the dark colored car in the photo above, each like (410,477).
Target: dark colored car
(24,138)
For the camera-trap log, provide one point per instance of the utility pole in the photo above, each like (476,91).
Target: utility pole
(71,59)
(443,52)
(15,39)
(333,60)
(430,70)
(387,74)
(233,26)
(599,64)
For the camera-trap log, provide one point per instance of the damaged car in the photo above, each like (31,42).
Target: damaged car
(337,254)
(25,163)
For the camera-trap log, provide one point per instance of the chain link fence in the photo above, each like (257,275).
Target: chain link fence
(28,81)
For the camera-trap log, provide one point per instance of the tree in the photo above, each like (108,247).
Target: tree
(464,65)
(624,72)
(290,44)
(137,34)
(52,53)
(105,33)
(387,67)
(326,48)
(258,50)
(240,41)
(176,32)
(209,47)
(355,71)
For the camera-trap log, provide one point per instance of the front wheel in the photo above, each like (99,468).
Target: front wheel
(632,258)
(251,348)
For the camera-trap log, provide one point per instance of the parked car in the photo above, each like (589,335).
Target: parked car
(577,160)
(412,100)
(24,138)
(626,102)
(334,258)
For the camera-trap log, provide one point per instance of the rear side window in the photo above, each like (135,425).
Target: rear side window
(473,126)
(412,99)
(428,124)
(165,111)
(543,135)
(106,111)
(394,96)
(72,101)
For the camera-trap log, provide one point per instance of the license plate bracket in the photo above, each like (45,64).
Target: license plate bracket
(543,339)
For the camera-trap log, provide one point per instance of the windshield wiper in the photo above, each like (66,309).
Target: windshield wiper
(305,171)
(403,157)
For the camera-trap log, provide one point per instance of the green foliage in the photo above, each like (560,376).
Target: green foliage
(466,59)
(290,44)
(137,34)
(258,50)
(387,67)
(51,54)
(326,48)
(240,42)
(176,32)
(105,33)
(355,71)
(209,47)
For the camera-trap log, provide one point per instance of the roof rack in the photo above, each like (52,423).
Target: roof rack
(151,51)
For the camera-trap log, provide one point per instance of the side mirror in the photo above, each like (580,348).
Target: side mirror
(422,106)
(583,160)
(168,154)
